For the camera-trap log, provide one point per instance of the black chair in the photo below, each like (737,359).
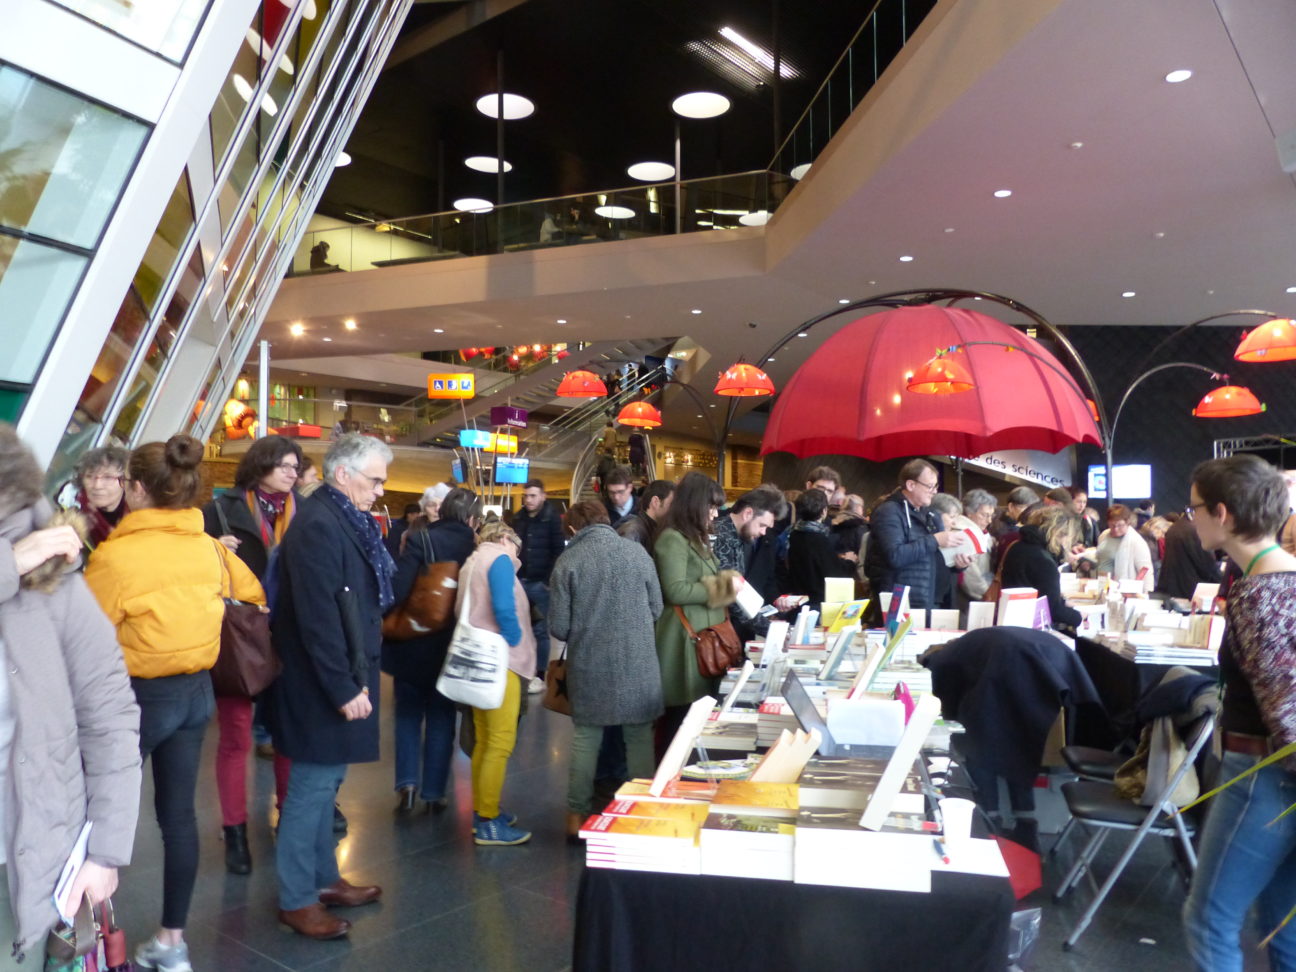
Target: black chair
(1098,807)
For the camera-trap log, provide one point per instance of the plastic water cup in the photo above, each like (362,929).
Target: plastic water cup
(957,816)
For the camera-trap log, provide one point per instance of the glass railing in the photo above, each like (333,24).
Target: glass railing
(885,31)
(719,202)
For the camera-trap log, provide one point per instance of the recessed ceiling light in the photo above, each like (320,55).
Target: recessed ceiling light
(949,229)
(486,163)
(798,171)
(326,340)
(803,334)
(1174,77)
(1127,293)
(349,324)
(1291,290)
(759,218)
(906,259)
(297,330)
(710,406)
(515,106)
(843,300)
(438,330)
(473,205)
(696,310)
(1158,235)
(342,159)
(1002,193)
(769,360)
(1076,145)
(700,104)
(563,320)
(614,212)
(651,171)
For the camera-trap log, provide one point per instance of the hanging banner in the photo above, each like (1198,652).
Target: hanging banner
(451,386)
(1045,468)
(501,443)
(509,415)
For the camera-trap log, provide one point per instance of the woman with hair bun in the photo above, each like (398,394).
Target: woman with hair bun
(161,579)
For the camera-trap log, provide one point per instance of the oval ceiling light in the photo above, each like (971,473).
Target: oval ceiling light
(906,259)
(342,159)
(515,106)
(1291,290)
(241,86)
(473,205)
(758,218)
(651,171)
(700,104)
(487,163)
(1127,293)
(1002,193)
(798,171)
(614,212)
(843,300)
(1174,77)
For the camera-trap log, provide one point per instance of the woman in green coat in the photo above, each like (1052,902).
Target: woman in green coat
(691,577)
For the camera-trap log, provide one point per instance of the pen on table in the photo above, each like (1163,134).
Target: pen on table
(939,847)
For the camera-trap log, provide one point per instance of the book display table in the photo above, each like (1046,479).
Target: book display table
(638,921)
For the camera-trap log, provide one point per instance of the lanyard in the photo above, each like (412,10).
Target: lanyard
(1269,549)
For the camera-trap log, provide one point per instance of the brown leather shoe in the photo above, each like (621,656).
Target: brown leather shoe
(344,894)
(314,922)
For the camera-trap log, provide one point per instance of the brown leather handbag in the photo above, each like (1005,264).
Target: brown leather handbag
(555,697)
(247,662)
(718,648)
(431,602)
(996,586)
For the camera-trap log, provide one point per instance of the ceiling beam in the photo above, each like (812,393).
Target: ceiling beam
(470,15)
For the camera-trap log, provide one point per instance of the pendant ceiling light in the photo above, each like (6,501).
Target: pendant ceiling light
(744,380)
(640,415)
(1274,340)
(942,375)
(1228,401)
(581,384)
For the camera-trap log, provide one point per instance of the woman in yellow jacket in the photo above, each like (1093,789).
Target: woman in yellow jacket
(161,579)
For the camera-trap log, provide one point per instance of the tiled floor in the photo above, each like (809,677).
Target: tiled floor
(450,905)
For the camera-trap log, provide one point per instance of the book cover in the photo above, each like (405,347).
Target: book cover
(689,813)
(756,797)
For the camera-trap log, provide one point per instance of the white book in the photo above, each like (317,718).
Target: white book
(63,888)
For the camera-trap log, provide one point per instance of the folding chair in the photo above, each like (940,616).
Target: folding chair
(1087,763)
(1098,807)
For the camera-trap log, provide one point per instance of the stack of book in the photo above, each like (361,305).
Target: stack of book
(748,845)
(733,731)
(830,847)
(846,783)
(772,718)
(639,835)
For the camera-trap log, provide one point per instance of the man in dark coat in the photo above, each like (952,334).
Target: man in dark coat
(1186,564)
(335,583)
(618,495)
(643,525)
(906,537)
(540,528)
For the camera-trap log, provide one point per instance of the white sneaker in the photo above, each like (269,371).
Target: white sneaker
(536,685)
(166,958)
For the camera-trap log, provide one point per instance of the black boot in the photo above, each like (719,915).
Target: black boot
(237,858)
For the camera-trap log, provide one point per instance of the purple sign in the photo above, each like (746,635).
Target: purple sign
(508,415)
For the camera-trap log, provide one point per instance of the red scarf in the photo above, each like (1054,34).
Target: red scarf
(272,512)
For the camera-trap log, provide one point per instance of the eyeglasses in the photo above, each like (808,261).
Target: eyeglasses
(375,481)
(1192,509)
(930,487)
(289,467)
(96,478)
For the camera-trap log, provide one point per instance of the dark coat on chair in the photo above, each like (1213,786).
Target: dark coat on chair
(321,566)
(419,660)
(1006,684)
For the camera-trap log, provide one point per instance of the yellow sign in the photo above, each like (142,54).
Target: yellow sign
(451,386)
(500,442)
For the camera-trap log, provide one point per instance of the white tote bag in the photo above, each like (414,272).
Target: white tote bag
(476,664)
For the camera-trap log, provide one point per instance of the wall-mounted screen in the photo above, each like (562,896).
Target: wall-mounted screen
(1132,482)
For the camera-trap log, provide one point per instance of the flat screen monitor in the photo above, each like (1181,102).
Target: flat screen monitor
(515,471)
(1131,482)
(457,470)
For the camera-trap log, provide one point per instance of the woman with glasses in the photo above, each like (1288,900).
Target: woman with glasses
(99,492)
(1122,552)
(250,520)
(1247,854)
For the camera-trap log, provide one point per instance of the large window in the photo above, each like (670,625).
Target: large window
(36,284)
(63,160)
(164,26)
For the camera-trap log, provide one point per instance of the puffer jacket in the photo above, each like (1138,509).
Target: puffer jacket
(75,750)
(902,550)
(160,580)
(541,534)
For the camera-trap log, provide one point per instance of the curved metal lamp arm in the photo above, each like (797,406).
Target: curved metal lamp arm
(1148,374)
(1051,364)
(1152,355)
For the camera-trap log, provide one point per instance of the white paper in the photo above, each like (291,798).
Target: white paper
(775,639)
(748,599)
(732,697)
(901,762)
(866,722)
(1203,596)
(980,615)
(944,620)
(63,889)
(682,744)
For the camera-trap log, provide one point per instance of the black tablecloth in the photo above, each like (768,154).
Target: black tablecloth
(638,921)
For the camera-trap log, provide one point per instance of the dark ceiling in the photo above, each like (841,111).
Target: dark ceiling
(602,74)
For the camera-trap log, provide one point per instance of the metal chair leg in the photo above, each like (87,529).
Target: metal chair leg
(1082,863)
(1062,835)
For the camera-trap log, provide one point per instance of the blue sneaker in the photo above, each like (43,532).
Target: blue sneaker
(508,818)
(496,832)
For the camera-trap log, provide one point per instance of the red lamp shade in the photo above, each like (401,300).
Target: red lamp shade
(942,375)
(581,384)
(1273,340)
(641,415)
(468,353)
(744,380)
(1093,409)
(562,354)
(1228,401)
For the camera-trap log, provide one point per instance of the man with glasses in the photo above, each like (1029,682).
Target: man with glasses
(906,537)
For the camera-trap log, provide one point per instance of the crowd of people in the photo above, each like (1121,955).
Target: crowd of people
(615,584)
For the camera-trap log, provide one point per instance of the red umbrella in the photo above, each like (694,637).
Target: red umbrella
(850,397)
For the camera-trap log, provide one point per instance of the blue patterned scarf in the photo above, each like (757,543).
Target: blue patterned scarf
(366,530)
